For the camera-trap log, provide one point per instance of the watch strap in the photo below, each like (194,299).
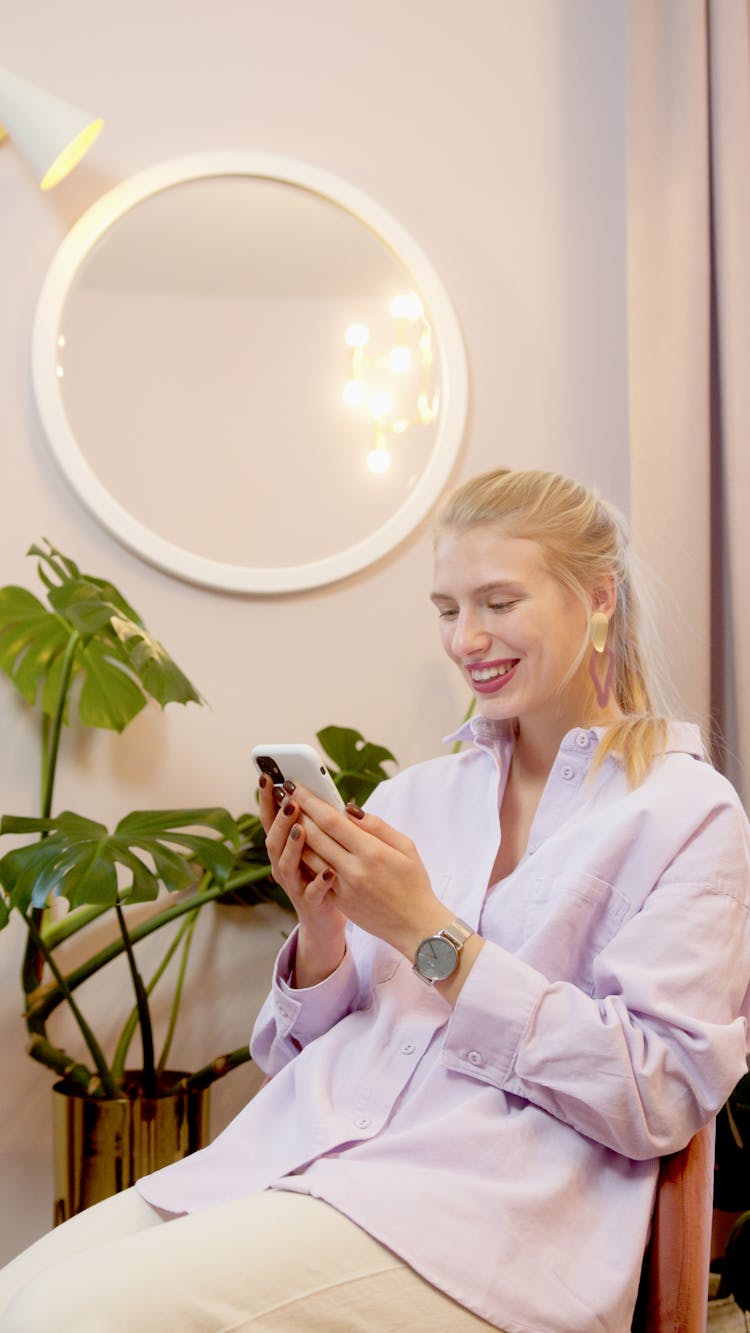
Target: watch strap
(457,932)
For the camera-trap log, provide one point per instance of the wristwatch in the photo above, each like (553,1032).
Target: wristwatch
(437,956)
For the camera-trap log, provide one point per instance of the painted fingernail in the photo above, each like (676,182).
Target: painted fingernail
(295,832)
(262,780)
(288,808)
(328,875)
(289,786)
(352,809)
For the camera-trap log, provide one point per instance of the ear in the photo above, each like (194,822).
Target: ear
(604,596)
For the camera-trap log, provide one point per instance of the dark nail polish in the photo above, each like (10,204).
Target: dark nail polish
(289,786)
(296,830)
(262,780)
(352,809)
(288,809)
(328,875)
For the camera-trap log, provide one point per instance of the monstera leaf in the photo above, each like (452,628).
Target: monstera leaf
(79,860)
(359,762)
(91,638)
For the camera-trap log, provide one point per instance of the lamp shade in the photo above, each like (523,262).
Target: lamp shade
(51,134)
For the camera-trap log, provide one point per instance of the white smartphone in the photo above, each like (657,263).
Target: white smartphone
(298,763)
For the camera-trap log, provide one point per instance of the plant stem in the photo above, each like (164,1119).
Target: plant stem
(70,1070)
(217,1068)
(32,965)
(469,712)
(126,1036)
(66,994)
(52,733)
(54,932)
(144,1015)
(187,931)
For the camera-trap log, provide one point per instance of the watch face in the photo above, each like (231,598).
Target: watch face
(436,958)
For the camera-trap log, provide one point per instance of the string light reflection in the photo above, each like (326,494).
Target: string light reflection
(392,384)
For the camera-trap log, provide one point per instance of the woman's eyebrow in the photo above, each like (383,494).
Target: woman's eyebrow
(499,585)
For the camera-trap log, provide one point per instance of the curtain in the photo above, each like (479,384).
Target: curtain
(688,164)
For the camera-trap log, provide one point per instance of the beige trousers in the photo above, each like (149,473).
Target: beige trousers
(275,1261)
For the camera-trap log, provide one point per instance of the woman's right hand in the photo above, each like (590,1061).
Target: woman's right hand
(306,880)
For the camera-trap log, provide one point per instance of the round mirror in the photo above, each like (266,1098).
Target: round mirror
(249,372)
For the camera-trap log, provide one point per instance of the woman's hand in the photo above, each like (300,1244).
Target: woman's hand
(307,880)
(379,880)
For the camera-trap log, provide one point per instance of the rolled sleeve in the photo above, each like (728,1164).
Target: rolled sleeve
(476,1043)
(291,1018)
(643,1063)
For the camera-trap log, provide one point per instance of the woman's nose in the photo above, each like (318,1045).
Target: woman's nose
(468,636)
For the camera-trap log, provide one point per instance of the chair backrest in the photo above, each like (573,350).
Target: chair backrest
(673,1296)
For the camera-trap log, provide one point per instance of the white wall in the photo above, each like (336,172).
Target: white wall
(494,132)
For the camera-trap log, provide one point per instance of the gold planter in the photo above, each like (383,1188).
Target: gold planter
(103,1146)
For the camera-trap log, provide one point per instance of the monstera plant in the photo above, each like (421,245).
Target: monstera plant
(86,658)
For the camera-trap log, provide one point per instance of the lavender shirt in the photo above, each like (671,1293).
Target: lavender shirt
(507,1149)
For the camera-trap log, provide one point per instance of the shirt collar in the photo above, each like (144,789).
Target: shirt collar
(685,738)
(682,737)
(481,730)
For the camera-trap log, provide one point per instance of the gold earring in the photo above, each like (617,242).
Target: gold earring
(599,631)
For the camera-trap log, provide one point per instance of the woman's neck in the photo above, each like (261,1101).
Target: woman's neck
(538,740)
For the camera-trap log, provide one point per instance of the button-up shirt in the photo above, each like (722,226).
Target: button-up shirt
(508,1148)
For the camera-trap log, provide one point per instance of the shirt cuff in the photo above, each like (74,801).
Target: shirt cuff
(304,1013)
(492,1015)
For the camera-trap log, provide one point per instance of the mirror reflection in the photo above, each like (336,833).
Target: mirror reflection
(250,370)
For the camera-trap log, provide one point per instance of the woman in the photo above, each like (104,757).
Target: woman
(517,979)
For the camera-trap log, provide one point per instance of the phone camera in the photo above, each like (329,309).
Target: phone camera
(268,765)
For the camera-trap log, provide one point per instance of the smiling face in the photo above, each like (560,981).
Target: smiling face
(513,630)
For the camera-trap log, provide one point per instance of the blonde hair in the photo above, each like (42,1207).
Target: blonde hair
(585,541)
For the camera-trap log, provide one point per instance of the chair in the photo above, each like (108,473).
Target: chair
(673,1292)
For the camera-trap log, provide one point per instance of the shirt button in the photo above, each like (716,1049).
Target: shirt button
(408,1048)
(582,740)
(362,1122)
(475,1058)
(567,772)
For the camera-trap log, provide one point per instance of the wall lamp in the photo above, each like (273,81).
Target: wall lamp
(51,134)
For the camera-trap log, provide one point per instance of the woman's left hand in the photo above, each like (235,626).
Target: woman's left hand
(380,882)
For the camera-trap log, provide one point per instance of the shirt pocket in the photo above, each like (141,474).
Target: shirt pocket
(385,965)
(567,920)
(385,961)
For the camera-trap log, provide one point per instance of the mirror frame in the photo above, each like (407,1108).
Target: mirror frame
(143,541)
